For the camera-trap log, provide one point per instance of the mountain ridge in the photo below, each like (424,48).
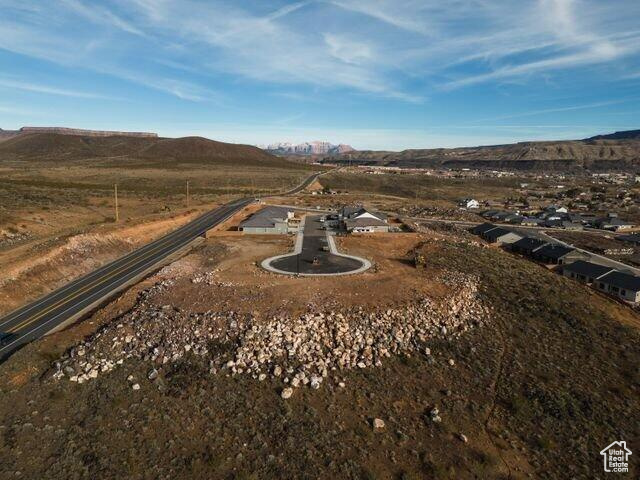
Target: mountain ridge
(307,148)
(63,147)
(617,151)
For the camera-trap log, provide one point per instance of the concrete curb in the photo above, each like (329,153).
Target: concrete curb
(366,264)
(266,263)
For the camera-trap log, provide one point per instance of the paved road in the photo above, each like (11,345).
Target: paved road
(312,247)
(40,317)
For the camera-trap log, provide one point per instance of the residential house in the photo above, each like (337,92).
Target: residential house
(495,215)
(501,236)
(527,246)
(361,220)
(555,209)
(633,238)
(531,222)
(483,227)
(613,223)
(585,272)
(569,225)
(271,220)
(513,218)
(621,285)
(469,203)
(506,217)
(556,254)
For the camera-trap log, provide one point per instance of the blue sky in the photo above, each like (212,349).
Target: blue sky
(381,74)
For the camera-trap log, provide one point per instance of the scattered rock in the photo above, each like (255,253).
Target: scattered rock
(287,392)
(307,348)
(378,423)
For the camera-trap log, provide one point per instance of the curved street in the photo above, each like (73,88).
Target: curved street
(315,254)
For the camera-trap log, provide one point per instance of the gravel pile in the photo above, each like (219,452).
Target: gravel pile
(300,351)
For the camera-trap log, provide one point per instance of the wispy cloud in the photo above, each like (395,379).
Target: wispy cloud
(22,112)
(49,90)
(100,15)
(569,108)
(400,50)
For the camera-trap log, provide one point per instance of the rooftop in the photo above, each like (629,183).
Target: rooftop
(632,237)
(482,228)
(553,250)
(622,280)
(588,269)
(365,222)
(266,218)
(529,243)
(498,232)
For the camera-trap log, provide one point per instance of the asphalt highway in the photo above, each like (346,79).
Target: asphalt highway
(34,320)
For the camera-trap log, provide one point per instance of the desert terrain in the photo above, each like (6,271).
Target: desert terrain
(448,359)
(57,206)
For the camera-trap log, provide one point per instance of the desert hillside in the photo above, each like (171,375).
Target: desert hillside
(60,147)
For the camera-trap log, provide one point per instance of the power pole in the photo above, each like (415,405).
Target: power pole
(116,204)
(187,193)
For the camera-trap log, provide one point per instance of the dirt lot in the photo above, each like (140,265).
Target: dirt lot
(535,391)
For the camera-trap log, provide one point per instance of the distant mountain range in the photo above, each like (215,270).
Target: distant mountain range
(306,148)
(616,151)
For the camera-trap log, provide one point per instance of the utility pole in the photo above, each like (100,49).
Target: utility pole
(187,193)
(116,204)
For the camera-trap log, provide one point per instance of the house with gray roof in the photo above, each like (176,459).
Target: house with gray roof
(270,220)
(527,245)
(613,223)
(483,227)
(633,238)
(501,236)
(556,254)
(357,219)
(621,285)
(585,272)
